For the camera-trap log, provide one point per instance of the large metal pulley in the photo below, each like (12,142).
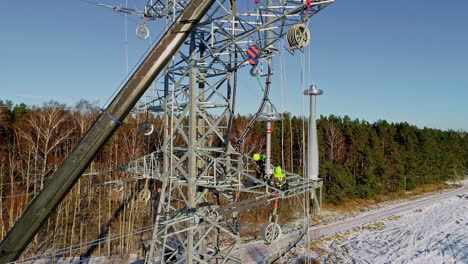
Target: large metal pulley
(298,36)
(270,232)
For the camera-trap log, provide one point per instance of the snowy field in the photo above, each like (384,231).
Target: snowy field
(433,229)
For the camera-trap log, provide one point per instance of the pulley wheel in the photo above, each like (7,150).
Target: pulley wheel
(270,232)
(298,36)
(146,128)
(142,32)
(144,195)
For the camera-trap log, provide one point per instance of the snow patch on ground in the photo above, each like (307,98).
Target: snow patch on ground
(429,230)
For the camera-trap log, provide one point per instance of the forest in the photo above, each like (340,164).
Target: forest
(358,159)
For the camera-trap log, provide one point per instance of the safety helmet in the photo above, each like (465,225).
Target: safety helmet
(256,157)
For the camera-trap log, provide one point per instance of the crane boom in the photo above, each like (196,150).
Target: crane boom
(18,238)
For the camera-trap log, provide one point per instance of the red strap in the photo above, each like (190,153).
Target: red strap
(276,201)
(272,128)
(309,2)
(256,1)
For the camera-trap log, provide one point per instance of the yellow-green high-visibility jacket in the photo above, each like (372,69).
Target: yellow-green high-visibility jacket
(279,173)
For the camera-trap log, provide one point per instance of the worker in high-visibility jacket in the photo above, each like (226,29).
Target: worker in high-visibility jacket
(279,178)
(260,161)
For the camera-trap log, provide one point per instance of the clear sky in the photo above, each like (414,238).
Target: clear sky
(395,60)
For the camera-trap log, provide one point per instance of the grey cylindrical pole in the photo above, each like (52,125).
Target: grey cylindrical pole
(269,34)
(312,150)
(103,128)
(268,170)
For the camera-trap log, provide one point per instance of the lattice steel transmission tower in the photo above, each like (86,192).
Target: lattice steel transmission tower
(203,176)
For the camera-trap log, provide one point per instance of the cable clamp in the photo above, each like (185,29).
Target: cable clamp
(110,116)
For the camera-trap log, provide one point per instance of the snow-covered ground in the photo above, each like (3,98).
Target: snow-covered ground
(432,229)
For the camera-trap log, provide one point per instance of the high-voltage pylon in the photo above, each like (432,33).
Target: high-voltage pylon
(202,174)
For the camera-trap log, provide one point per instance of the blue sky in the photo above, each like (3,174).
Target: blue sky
(393,60)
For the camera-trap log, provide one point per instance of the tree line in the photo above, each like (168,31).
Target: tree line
(358,159)
(33,143)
